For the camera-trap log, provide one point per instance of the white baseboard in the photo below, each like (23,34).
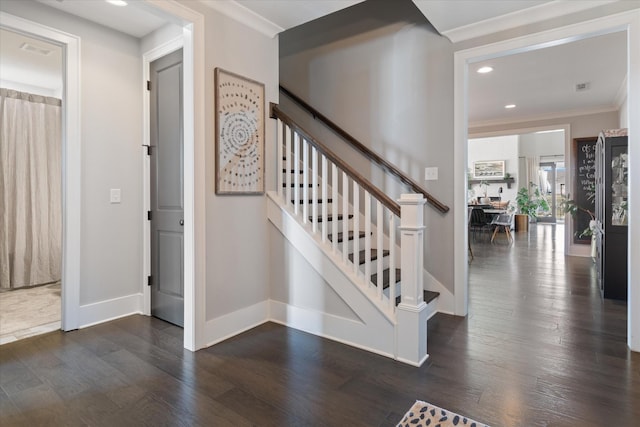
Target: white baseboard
(104,311)
(229,325)
(335,328)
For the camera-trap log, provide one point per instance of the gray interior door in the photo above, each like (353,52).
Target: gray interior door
(167,201)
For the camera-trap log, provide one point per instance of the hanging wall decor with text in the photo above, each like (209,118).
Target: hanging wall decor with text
(584,158)
(239,134)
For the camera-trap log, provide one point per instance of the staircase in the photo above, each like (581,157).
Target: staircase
(367,247)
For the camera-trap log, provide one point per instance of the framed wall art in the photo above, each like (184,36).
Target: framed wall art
(488,169)
(240,132)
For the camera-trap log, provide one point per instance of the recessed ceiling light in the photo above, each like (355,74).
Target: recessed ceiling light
(485,70)
(510,106)
(117,2)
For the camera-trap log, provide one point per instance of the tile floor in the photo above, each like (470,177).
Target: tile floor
(28,312)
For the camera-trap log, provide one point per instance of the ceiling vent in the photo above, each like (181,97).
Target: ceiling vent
(581,87)
(28,47)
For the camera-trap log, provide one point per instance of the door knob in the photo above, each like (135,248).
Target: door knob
(182,222)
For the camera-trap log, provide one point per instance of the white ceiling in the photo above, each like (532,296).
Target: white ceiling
(539,82)
(444,16)
(542,83)
(40,69)
(288,14)
(135,21)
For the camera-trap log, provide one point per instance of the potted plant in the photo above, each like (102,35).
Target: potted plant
(571,207)
(484,184)
(529,205)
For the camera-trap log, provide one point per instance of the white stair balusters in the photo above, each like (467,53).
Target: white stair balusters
(334,207)
(356,226)
(325,198)
(287,150)
(337,196)
(305,182)
(295,171)
(380,247)
(345,213)
(281,179)
(367,237)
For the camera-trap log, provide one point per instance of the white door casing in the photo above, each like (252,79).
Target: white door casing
(71,159)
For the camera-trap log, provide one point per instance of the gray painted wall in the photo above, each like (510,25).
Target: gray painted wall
(382,72)
(237,267)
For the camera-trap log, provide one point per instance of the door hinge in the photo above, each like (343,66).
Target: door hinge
(148,84)
(149,280)
(149,215)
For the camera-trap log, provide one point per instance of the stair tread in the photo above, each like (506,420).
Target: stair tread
(350,236)
(427,296)
(330,217)
(374,255)
(385,278)
(284,185)
(311,201)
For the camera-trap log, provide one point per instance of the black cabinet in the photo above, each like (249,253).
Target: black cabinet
(612,212)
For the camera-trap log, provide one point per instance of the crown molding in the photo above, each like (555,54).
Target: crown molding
(238,12)
(543,117)
(519,18)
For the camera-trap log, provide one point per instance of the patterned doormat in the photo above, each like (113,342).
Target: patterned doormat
(426,414)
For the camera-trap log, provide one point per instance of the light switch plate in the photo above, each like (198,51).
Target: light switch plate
(115,195)
(431,174)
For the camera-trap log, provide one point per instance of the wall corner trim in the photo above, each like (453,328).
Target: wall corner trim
(518,18)
(104,311)
(234,323)
(245,16)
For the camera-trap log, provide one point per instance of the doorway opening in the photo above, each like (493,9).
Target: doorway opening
(70,158)
(31,171)
(553,188)
(626,22)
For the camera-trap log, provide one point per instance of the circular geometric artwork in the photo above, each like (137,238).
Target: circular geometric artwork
(239,134)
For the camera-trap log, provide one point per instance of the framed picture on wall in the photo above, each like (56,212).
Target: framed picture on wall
(488,169)
(240,122)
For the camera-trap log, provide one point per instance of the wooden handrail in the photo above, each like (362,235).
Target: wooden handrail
(335,159)
(389,167)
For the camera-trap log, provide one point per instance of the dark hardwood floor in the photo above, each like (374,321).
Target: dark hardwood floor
(539,348)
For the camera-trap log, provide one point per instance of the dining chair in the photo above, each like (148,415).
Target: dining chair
(478,222)
(502,221)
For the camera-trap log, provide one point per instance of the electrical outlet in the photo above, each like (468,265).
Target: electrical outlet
(431,174)
(115,195)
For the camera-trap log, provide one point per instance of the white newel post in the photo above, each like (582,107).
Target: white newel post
(412,310)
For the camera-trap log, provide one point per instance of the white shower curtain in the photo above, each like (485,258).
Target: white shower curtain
(30,189)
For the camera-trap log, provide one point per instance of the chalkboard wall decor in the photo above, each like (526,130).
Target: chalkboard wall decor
(584,159)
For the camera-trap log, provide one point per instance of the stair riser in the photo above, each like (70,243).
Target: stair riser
(350,244)
(300,191)
(374,265)
(330,224)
